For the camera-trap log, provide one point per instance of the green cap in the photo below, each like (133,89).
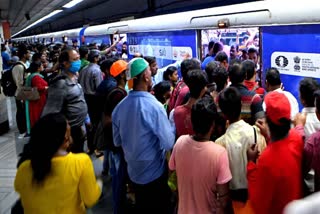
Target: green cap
(135,67)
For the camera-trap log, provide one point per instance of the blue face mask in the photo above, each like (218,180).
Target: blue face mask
(75,66)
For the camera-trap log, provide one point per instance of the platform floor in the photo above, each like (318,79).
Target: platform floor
(11,146)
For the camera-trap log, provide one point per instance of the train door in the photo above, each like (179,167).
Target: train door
(236,44)
(243,38)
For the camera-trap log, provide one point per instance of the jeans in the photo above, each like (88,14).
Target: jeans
(153,197)
(118,171)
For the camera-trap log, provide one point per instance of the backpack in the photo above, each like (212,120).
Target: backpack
(107,129)
(8,85)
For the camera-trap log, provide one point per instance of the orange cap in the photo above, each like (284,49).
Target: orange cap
(118,67)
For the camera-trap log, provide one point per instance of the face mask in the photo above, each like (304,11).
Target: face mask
(75,66)
(114,53)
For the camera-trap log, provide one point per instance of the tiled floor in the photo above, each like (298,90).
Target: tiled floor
(10,146)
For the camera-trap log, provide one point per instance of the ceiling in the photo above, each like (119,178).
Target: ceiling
(91,12)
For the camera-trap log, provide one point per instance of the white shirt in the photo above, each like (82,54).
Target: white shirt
(237,139)
(312,123)
(308,205)
(292,100)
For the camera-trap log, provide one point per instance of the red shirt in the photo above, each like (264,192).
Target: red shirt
(182,120)
(276,179)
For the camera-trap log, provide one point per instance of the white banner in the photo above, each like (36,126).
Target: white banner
(298,64)
(161,52)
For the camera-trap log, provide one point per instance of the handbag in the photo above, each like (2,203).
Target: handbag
(28,93)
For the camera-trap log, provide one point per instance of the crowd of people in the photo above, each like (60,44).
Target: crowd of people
(211,141)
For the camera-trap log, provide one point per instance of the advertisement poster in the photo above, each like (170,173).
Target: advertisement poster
(167,47)
(294,51)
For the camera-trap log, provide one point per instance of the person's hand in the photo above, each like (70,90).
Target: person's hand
(300,119)
(262,125)
(253,153)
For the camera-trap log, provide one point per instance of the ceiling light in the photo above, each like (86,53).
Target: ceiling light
(39,20)
(72,3)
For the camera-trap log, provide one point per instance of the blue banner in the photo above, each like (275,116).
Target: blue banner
(294,51)
(167,47)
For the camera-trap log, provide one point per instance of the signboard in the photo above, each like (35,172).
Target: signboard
(167,47)
(294,51)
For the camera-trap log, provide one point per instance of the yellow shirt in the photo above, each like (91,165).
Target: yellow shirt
(69,188)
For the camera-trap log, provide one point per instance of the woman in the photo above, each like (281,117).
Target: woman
(34,108)
(171,74)
(53,180)
(162,92)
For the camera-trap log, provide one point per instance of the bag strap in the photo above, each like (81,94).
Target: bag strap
(255,135)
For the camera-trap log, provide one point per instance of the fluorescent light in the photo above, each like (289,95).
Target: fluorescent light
(72,3)
(39,20)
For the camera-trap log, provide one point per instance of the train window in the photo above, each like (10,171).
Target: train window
(245,38)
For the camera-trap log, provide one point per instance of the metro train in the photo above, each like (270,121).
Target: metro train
(289,32)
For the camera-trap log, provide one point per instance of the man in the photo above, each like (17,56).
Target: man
(218,46)
(202,166)
(75,44)
(90,78)
(84,53)
(251,102)
(250,82)
(312,149)
(222,57)
(124,51)
(210,49)
(18,74)
(253,55)
(181,90)
(276,179)
(234,50)
(141,127)
(118,166)
(153,67)
(66,95)
(307,87)
(238,138)
(273,83)
(180,117)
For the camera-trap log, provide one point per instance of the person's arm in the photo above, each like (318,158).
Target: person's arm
(308,154)
(172,161)
(162,128)
(171,120)
(223,177)
(115,129)
(88,186)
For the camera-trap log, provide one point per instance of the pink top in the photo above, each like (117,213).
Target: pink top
(200,166)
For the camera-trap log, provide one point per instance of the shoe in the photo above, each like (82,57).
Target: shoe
(21,136)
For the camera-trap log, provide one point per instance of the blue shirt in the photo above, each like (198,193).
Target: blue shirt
(5,59)
(206,61)
(140,125)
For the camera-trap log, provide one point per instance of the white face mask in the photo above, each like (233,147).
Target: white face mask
(114,53)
